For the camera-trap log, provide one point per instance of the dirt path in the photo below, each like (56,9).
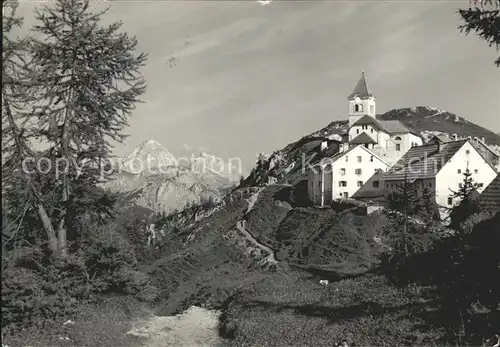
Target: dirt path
(252,200)
(241,226)
(194,327)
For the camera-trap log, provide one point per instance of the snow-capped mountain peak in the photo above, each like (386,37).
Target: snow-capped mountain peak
(149,154)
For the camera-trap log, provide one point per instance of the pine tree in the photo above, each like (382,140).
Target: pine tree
(428,209)
(485,23)
(89,82)
(467,205)
(402,204)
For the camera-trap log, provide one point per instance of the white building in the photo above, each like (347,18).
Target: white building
(479,144)
(343,174)
(389,139)
(440,166)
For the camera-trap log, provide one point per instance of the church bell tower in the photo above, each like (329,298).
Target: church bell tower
(361,101)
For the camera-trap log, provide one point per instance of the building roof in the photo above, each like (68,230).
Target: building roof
(361,90)
(489,200)
(394,126)
(441,138)
(368,120)
(423,161)
(389,126)
(340,155)
(362,139)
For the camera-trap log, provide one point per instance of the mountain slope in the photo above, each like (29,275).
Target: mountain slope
(424,119)
(164,183)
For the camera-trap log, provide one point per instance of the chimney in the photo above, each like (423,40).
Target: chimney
(483,140)
(454,137)
(469,138)
(476,139)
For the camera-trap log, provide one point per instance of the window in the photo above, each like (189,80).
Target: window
(360,183)
(398,147)
(459,171)
(340,194)
(376,184)
(467,151)
(430,184)
(342,184)
(346,158)
(342,172)
(371,158)
(387,186)
(460,185)
(450,201)
(397,138)
(357,172)
(358,158)
(371,130)
(476,171)
(346,195)
(371,109)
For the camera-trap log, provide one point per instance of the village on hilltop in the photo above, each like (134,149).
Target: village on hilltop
(375,157)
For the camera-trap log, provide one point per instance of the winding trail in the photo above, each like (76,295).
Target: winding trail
(244,231)
(270,259)
(252,200)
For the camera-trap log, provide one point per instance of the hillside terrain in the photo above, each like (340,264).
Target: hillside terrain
(257,255)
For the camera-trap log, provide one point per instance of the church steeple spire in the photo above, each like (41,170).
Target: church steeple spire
(361,89)
(361,101)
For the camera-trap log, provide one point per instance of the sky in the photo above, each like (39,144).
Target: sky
(250,78)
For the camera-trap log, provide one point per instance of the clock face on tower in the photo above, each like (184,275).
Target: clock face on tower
(357,99)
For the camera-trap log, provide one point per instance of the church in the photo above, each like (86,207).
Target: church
(377,156)
(370,147)
(389,139)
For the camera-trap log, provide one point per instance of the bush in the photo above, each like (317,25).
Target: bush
(34,289)
(468,225)
(38,289)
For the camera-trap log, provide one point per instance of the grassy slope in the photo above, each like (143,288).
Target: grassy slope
(292,309)
(287,307)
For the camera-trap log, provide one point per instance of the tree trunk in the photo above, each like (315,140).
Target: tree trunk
(62,243)
(42,213)
(49,229)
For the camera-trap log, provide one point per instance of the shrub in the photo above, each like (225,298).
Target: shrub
(38,289)
(34,289)
(468,225)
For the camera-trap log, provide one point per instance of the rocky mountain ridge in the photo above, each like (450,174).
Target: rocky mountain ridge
(164,183)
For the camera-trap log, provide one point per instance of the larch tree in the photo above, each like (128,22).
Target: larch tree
(485,23)
(20,195)
(89,81)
